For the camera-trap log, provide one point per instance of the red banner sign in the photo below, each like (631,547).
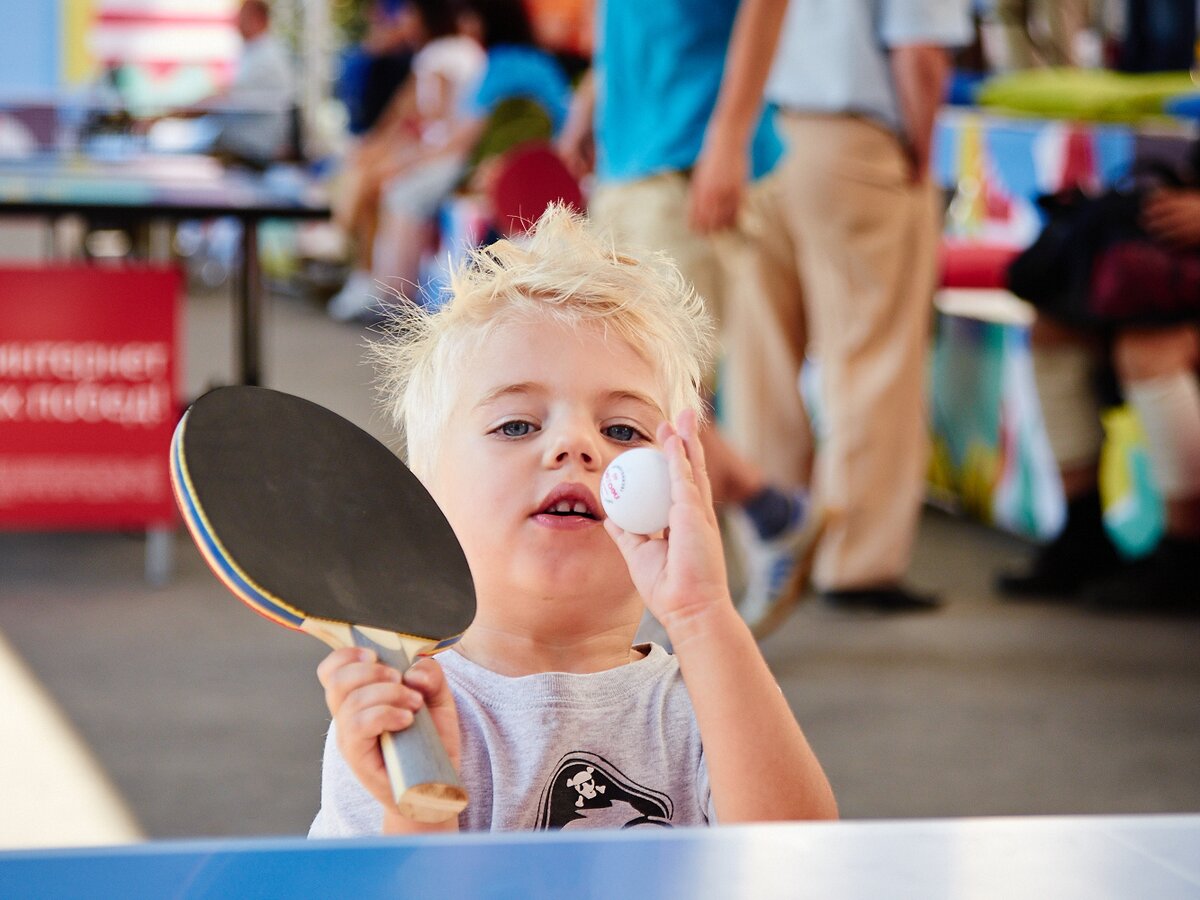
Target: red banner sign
(89,369)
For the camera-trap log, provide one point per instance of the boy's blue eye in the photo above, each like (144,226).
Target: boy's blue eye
(622,433)
(515,429)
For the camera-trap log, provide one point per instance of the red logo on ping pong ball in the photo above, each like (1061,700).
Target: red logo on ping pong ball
(612,485)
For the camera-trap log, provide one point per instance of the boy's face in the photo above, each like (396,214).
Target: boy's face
(541,410)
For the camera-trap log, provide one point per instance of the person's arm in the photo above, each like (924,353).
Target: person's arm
(919,72)
(398,114)
(760,766)
(723,166)
(577,142)
(1172,216)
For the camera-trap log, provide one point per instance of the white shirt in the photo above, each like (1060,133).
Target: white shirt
(255,113)
(454,62)
(833,54)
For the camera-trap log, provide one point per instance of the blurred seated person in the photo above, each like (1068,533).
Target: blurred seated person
(417,123)
(1157,370)
(251,121)
(400,196)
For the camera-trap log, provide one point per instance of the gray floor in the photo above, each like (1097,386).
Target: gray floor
(210,720)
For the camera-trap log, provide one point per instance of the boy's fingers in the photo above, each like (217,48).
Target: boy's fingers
(339,658)
(383,694)
(376,720)
(354,676)
(626,541)
(426,676)
(689,429)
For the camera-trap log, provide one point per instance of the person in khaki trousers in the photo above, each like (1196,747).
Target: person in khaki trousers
(858,84)
(672,116)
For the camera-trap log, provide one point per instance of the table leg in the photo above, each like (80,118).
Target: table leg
(250,306)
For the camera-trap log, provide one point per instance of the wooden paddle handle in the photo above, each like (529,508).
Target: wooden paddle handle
(424,784)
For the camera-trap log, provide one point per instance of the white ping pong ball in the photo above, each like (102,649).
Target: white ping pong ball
(635,490)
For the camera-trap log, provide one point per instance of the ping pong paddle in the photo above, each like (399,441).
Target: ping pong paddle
(319,527)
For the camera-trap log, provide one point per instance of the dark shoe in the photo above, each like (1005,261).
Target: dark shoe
(883,599)
(1080,553)
(1167,581)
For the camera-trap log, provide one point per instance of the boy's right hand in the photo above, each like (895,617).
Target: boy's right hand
(367,698)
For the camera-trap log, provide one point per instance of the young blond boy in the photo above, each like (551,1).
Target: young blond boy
(549,359)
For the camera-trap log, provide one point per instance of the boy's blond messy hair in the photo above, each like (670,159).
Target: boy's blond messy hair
(562,271)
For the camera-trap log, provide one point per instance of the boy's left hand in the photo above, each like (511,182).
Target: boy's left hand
(682,572)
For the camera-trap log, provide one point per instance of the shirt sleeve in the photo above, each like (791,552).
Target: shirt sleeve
(704,790)
(347,809)
(944,23)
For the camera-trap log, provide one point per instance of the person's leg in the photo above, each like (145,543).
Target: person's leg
(868,257)
(764,522)
(1157,369)
(403,212)
(399,246)
(652,214)
(1012,19)
(1066,363)
(764,339)
(356,212)
(1066,20)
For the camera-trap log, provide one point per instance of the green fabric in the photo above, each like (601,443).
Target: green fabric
(513,122)
(1085,94)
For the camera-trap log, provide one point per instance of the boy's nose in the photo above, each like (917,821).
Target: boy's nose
(573,447)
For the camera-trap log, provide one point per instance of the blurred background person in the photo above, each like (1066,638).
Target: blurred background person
(672,117)
(252,121)
(412,135)
(432,155)
(858,86)
(1153,368)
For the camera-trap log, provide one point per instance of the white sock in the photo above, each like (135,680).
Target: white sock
(1169,408)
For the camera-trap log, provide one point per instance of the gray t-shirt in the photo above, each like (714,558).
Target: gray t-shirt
(611,749)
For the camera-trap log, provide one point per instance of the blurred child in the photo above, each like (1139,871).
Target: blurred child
(412,136)
(420,175)
(548,360)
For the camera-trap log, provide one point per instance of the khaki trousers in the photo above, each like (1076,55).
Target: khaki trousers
(760,411)
(863,243)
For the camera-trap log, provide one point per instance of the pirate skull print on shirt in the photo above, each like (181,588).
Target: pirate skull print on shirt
(587,788)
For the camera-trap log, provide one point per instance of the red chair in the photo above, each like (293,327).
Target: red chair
(525,181)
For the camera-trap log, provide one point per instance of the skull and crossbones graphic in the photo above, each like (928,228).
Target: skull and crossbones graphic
(585,785)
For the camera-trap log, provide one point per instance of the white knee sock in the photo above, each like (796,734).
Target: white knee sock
(1169,407)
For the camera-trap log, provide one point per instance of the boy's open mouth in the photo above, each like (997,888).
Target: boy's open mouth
(571,500)
(567,508)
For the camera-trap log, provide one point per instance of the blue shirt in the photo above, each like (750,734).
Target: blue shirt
(833,54)
(658,71)
(515,71)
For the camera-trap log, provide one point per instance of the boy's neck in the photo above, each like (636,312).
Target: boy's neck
(516,652)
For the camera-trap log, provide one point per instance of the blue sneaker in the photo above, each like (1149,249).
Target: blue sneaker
(775,571)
